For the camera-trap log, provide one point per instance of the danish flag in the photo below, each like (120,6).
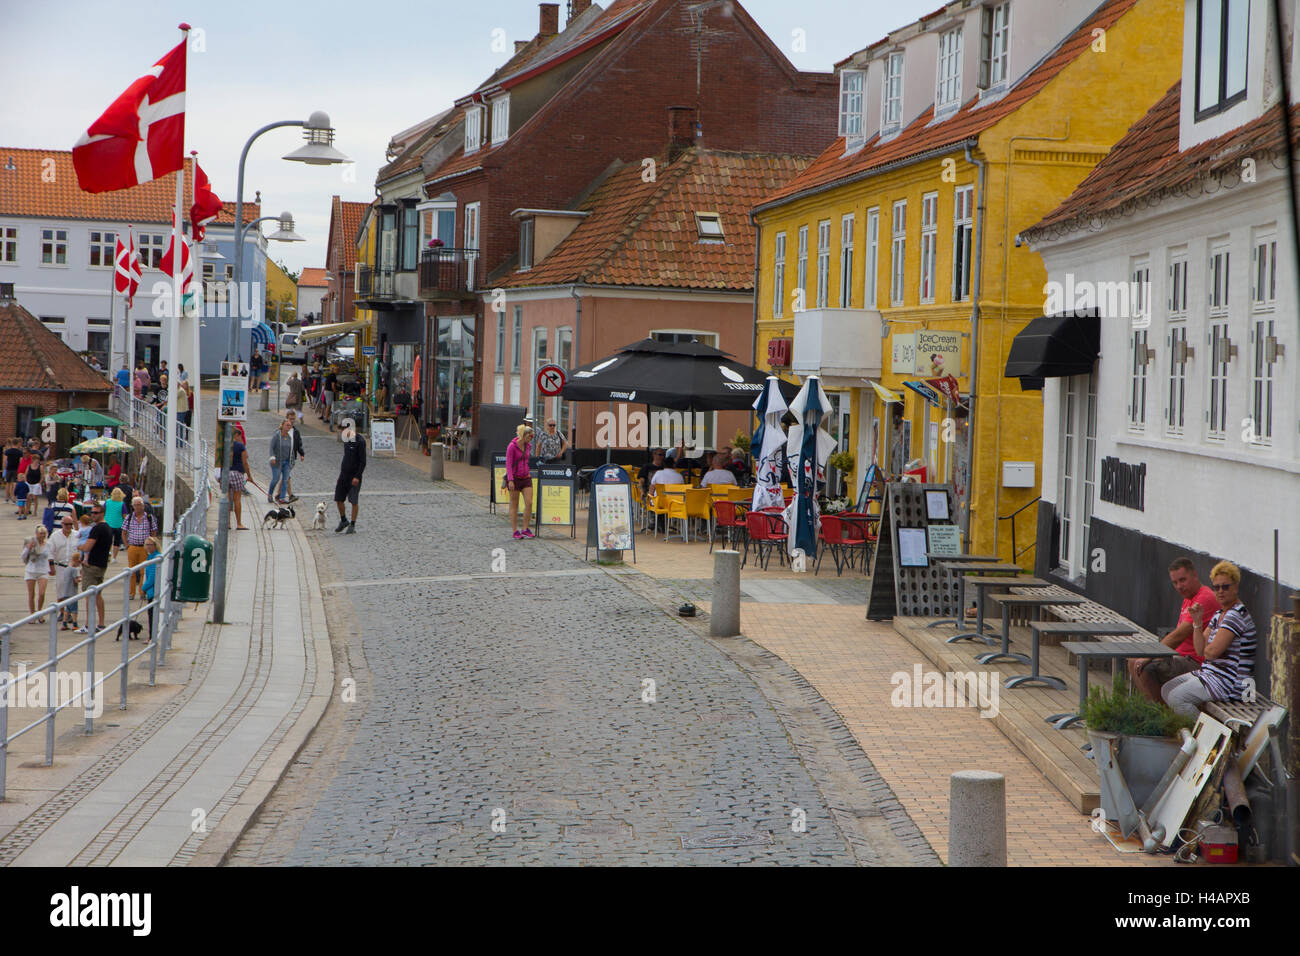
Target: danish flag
(141,136)
(206,204)
(187,265)
(126,268)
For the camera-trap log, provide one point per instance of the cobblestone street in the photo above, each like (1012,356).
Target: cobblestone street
(500,716)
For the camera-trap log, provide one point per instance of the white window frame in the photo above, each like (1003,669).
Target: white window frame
(471,243)
(870,285)
(891,112)
(947,95)
(963,233)
(537,406)
(995,46)
(1218,363)
(105,243)
(898,253)
(1138,345)
(565,362)
(526,235)
(778,275)
(801,266)
(473,129)
(853,91)
(8,244)
(1262,393)
(56,238)
(1077,485)
(1226,93)
(517,339)
(823,263)
(152,247)
(1263,271)
(501,342)
(501,119)
(929,246)
(1218,276)
(847,224)
(708,225)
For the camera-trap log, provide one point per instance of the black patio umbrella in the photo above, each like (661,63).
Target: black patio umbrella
(685,376)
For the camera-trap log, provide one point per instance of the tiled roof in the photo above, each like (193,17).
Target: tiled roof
(645,234)
(37,188)
(971,119)
(345,221)
(31,356)
(1146,165)
(414,148)
(311,276)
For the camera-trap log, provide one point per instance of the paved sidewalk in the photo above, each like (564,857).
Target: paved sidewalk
(178,781)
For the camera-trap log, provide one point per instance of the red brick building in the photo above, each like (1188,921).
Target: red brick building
(544,127)
(341,260)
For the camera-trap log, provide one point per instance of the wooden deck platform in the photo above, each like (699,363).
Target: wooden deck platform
(1020,713)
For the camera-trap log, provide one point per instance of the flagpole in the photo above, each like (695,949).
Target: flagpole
(112,317)
(173,340)
(198,323)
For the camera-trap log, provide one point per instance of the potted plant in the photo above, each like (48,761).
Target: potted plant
(1142,734)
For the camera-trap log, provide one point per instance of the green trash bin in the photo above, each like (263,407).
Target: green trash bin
(192,571)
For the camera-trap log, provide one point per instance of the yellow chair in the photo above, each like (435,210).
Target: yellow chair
(691,503)
(656,504)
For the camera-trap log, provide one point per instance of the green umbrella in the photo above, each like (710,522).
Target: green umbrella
(96,446)
(84,416)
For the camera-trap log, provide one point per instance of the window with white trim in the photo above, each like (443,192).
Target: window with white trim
(1222,27)
(1077,487)
(54,247)
(872,265)
(564,358)
(708,226)
(898,253)
(929,244)
(501,342)
(517,339)
(1177,349)
(802,265)
(500,119)
(948,89)
(853,84)
(1219,347)
(473,129)
(823,262)
(963,229)
(846,261)
(526,243)
(103,245)
(151,246)
(1263,272)
(8,243)
(539,359)
(995,42)
(778,276)
(1139,356)
(471,244)
(1217,277)
(1263,340)
(892,115)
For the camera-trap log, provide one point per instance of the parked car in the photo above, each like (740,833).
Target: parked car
(291,350)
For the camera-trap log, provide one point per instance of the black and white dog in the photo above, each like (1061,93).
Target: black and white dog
(279,516)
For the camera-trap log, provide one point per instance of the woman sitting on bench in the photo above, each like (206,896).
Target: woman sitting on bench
(1227,644)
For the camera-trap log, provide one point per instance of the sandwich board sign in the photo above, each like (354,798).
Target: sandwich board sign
(609,520)
(383,436)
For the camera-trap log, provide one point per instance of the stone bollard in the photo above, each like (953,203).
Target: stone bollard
(724,621)
(437,455)
(977,819)
(266,399)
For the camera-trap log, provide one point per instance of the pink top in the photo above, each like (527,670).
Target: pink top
(1209,607)
(517,460)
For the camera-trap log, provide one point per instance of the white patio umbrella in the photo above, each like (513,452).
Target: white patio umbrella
(808,447)
(767,444)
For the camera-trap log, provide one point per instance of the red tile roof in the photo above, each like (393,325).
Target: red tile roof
(833,167)
(44,184)
(31,356)
(1146,165)
(313,277)
(645,234)
(345,222)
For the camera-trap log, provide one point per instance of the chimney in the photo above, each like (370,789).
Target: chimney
(548,20)
(576,9)
(520,44)
(6,292)
(681,130)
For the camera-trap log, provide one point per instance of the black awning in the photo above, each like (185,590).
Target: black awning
(1055,346)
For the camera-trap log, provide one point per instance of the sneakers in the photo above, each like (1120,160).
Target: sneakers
(518,535)
(352,527)
(527,533)
(270,500)
(343,523)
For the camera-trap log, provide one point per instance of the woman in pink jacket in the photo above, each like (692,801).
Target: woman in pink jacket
(518,479)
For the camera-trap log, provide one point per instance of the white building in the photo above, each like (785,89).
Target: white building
(57,244)
(1184,438)
(312,286)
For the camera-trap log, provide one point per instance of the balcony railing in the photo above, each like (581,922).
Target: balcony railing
(375,283)
(450,273)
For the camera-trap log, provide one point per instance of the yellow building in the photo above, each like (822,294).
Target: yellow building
(282,291)
(893,259)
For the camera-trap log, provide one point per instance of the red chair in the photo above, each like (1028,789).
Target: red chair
(726,514)
(766,530)
(832,540)
(857,536)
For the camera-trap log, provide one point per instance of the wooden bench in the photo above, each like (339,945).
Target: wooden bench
(1089,612)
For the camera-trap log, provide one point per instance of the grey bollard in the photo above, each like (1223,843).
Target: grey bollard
(437,456)
(266,399)
(977,819)
(725,618)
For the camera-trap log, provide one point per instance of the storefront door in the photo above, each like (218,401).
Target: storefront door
(455,369)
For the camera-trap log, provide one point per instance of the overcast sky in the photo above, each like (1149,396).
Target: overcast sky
(376,68)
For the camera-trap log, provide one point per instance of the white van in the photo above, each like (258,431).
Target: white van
(291,350)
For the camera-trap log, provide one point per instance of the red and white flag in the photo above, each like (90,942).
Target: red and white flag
(187,263)
(206,204)
(141,136)
(126,268)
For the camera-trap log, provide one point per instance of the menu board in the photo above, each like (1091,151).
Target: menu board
(383,436)
(911,548)
(945,539)
(613,517)
(499,491)
(555,495)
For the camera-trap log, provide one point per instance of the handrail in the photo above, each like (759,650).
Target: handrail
(193,521)
(1015,555)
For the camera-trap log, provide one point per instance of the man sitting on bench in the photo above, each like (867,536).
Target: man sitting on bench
(1150,674)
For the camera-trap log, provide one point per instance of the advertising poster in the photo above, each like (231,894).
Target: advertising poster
(613,517)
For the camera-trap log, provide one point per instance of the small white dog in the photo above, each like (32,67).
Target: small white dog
(318,522)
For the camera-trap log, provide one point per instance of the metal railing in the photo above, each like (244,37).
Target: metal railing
(161,625)
(148,425)
(453,272)
(375,283)
(1015,554)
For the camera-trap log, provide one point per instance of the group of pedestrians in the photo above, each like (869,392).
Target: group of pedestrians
(284,450)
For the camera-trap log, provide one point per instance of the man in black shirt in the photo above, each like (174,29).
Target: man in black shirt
(348,487)
(96,548)
(13,458)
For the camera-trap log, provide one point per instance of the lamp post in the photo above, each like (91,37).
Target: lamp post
(318,151)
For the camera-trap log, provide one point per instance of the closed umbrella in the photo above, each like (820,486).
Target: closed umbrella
(809,446)
(768,441)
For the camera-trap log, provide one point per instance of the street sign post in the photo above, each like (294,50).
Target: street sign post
(233,386)
(550,380)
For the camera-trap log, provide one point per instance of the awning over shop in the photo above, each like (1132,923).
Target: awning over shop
(926,391)
(886,396)
(1055,346)
(313,332)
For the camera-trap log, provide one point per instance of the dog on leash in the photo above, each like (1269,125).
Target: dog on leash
(135,631)
(279,516)
(318,522)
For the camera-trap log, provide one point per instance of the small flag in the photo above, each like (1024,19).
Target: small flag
(188,290)
(126,268)
(206,204)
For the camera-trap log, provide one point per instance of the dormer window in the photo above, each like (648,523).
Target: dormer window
(852,85)
(995,40)
(948,90)
(1221,48)
(892,116)
(473,129)
(709,225)
(526,243)
(500,119)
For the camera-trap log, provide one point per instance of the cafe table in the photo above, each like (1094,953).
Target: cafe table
(1037,602)
(962,569)
(982,559)
(1087,651)
(985,583)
